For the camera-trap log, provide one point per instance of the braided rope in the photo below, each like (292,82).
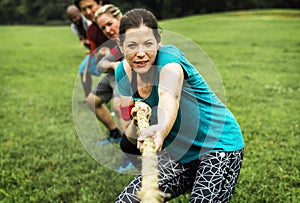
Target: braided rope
(149,192)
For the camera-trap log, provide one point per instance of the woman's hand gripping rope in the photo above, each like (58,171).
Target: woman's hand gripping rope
(149,192)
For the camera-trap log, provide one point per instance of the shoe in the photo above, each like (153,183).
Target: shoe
(109,140)
(115,133)
(125,166)
(122,169)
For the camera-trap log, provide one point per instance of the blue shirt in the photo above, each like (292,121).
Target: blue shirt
(203,124)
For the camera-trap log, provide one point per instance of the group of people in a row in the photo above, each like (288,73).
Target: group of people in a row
(198,141)
(97,27)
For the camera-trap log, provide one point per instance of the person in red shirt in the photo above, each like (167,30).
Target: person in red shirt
(88,66)
(95,37)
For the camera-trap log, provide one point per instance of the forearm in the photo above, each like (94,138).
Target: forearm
(131,133)
(169,96)
(167,112)
(106,63)
(125,108)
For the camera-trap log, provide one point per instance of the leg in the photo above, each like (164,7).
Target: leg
(96,100)
(235,160)
(175,179)
(216,177)
(101,111)
(88,66)
(131,151)
(87,84)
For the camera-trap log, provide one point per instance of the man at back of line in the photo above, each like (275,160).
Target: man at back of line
(79,24)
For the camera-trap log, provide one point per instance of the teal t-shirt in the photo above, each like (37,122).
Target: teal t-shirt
(203,124)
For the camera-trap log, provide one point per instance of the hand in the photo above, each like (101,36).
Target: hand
(114,65)
(101,52)
(153,132)
(140,106)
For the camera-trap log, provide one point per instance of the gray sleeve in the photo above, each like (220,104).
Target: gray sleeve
(101,64)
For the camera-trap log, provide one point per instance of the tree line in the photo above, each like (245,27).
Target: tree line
(53,11)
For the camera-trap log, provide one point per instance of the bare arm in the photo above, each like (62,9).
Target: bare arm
(170,86)
(130,128)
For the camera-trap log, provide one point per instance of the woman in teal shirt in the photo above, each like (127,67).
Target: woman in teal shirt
(198,140)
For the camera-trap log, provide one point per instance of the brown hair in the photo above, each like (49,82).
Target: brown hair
(77,3)
(134,19)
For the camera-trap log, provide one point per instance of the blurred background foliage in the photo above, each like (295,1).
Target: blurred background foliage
(53,11)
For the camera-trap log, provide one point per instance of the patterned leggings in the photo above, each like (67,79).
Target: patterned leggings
(212,178)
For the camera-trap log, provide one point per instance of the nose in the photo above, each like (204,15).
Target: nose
(141,50)
(140,53)
(107,29)
(88,11)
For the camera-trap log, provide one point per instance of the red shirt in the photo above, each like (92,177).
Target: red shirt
(95,36)
(117,53)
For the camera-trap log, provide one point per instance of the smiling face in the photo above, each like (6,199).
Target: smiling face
(140,48)
(89,7)
(109,25)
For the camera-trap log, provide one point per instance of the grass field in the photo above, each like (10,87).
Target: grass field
(42,159)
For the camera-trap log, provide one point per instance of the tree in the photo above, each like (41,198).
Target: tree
(43,11)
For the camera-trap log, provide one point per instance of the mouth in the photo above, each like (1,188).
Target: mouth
(141,63)
(113,36)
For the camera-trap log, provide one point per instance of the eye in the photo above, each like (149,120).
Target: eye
(148,44)
(131,46)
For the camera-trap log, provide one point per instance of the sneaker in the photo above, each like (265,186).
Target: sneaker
(115,133)
(125,166)
(109,140)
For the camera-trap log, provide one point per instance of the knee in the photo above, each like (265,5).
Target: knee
(116,107)
(93,101)
(90,100)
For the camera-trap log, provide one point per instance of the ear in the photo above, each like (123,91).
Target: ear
(159,45)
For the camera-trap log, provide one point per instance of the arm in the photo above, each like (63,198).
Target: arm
(90,38)
(169,91)
(130,128)
(92,44)
(126,100)
(108,62)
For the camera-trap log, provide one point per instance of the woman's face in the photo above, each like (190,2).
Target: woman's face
(140,48)
(109,25)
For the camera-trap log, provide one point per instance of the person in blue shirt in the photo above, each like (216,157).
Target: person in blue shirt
(198,141)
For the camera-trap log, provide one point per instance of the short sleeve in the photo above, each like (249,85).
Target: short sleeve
(171,54)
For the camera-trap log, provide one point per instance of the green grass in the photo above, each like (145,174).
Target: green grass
(42,159)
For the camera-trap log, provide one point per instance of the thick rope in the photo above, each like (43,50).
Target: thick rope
(149,192)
